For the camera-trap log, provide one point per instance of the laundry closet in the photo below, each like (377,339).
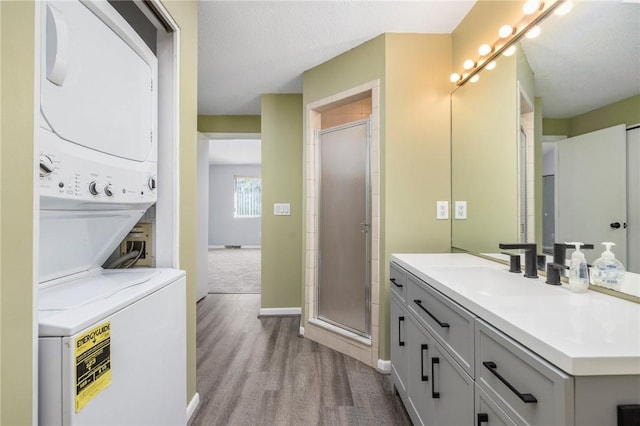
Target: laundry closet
(111,323)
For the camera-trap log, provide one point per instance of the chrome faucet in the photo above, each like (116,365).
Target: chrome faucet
(530,257)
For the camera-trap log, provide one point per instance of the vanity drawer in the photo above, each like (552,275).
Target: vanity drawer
(398,281)
(529,389)
(488,413)
(450,323)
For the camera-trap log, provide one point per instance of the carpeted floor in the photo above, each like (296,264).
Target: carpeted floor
(234,271)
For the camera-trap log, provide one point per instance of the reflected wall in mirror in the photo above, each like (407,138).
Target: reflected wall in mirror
(484,159)
(585,68)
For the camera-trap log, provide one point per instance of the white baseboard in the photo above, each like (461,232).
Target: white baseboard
(242,247)
(277,312)
(384,366)
(193,405)
(301,331)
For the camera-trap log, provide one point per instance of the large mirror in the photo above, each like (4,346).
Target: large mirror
(543,146)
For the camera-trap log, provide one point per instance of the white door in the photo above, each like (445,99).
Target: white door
(633,200)
(592,191)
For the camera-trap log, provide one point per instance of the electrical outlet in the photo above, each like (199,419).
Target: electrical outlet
(282,209)
(442,210)
(461,210)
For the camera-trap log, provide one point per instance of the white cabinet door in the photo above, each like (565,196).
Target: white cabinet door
(399,360)
(452,390)
(420,402)
(440,393)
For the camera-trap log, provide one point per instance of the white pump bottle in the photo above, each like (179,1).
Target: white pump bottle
(578,272)
(608,271)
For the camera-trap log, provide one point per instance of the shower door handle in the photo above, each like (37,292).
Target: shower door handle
(365,227)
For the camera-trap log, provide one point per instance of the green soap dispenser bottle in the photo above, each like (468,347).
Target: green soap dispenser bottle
(578,273)
(608,271)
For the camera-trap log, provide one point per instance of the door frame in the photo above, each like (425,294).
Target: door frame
(339,339)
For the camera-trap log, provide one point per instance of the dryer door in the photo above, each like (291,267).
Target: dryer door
(98,80)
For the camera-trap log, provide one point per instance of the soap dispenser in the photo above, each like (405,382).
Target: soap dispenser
(578,273)
(608,271)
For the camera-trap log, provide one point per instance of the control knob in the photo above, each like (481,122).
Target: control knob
(95,188)
(46,166)
(108,190)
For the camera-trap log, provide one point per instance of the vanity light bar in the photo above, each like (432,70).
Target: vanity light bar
(509,36)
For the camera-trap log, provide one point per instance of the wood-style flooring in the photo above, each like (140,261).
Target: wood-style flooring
(257,371)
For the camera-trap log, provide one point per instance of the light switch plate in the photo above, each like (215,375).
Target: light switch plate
(442,210)
(461,210)
(282,209)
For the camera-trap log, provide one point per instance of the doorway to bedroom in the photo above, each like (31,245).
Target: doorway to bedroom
(235,210)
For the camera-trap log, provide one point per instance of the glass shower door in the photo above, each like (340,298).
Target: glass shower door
(344,222)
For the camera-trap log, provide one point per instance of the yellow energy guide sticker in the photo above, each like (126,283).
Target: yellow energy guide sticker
(93,363)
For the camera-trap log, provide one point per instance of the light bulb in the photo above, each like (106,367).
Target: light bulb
(491,65)
(468,64)
(505,31)
(531,6)
(474,78)
(534,32)
(564,8)
(510,51)
(455,77)
(484,50)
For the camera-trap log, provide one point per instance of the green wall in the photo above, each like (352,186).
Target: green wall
(416,156)
(229,123)
(17,330)
(282,182)
(484,159)
(185,13)
(626,111)
(413,71)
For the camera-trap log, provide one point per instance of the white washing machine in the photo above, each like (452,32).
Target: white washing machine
(112,345)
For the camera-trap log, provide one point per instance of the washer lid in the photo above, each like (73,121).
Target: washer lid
(68,307)
(80,292)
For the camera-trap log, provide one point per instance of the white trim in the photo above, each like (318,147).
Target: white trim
(35,261)
(275,312)
(193,405)
(341,331)
(384,366)
(232,136)
(215,247)
(301,331)
(167,208)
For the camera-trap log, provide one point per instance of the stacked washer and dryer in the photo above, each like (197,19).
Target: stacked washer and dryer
(112,345)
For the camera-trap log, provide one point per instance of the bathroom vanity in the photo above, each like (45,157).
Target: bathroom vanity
(473,344)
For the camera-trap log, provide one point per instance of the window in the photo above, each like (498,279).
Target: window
(248,196)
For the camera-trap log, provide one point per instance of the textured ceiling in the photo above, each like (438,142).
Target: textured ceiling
(247,48)
(588,58)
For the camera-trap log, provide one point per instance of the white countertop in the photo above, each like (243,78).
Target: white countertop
(581,333)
